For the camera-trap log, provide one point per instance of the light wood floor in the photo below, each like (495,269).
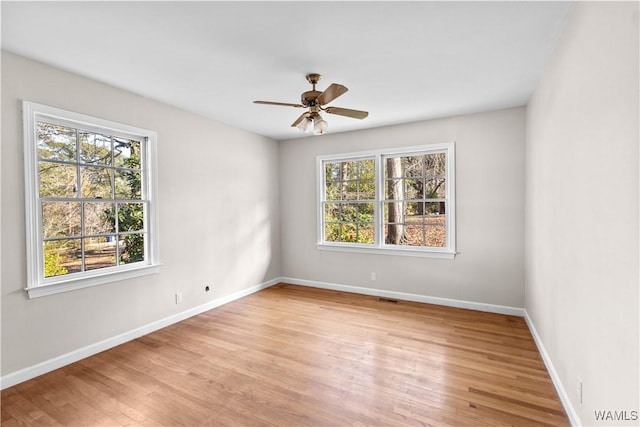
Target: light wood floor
(297,356)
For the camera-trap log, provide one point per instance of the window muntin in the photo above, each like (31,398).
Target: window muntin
(89,200)
(388,200)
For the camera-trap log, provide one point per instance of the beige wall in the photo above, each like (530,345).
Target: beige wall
(218,214)
(582,208)
(489,201)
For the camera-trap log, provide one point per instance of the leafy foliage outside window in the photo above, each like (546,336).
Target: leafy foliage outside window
(349,201)
(90,195)
(53,261)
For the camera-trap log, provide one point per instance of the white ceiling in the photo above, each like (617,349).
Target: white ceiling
(402,61)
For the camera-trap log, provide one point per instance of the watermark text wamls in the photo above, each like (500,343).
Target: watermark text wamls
(624,415)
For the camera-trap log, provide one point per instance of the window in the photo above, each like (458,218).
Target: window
(349,201)
(391,201)
(89,197)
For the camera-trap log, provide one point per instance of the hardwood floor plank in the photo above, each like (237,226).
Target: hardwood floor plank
(292,355)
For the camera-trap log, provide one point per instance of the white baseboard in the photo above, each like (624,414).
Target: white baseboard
(76,355)
(492,308)
(574,419)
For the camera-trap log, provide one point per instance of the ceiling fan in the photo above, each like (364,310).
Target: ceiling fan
(315,101)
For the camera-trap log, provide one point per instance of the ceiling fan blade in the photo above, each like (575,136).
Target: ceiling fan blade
(332,92)
(356,114)
(300,119)
(284,104)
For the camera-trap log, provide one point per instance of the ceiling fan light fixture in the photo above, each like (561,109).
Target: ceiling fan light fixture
(305,125)
(320,125)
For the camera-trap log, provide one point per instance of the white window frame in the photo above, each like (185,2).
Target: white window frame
(37,284)
(379,247)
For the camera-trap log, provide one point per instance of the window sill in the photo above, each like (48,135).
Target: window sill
(68,284)
(402,251)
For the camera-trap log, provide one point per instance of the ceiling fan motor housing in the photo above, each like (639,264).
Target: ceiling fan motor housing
(308,98)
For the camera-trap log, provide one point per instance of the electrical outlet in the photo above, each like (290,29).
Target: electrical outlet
(374,276)
(579,388)
(178,297)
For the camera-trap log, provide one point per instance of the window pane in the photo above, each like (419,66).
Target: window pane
(62,257)
(394,189)
(349,233)
(95,148)
(99,218)
(394,233)
(413,234)
(99,252)
(435,164)
(57,180)
(435,188)
(131,248)
(350,190)
(367,169)
(434,208)
(436,231)
(367,189)
(53,260)
(126,153)
(394,212)
(332,232)
(128,184)
(96,182)
(413,189)
(332,172)
(331,212)
(413,208)
(393,167)
(340,172)
(350,170)
(387,184)
(412,166)
(130,217)
(56,142)
(366,233)
(332,191)
(60,219)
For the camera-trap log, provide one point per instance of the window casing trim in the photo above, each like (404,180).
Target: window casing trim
(379,247)
(37,284)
